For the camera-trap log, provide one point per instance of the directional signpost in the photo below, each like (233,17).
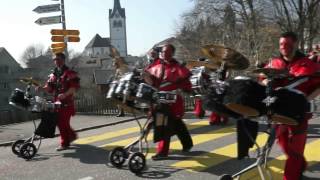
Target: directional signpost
(48,20)
(47,8)
(58,35)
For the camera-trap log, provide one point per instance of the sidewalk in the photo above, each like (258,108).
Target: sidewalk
(12,132)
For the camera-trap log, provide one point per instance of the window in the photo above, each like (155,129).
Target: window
(4,69)
(4,85)
(117,23)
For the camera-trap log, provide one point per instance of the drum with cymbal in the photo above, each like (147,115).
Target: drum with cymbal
(245,96)
(213,100)
(199,80)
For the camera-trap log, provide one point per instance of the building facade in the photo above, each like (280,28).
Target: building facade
(117,27)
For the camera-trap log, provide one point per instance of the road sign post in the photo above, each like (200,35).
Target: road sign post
(48,20)
(47,8)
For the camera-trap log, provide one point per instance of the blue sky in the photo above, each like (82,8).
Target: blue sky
(148,22)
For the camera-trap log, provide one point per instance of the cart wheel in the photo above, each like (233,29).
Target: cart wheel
(137,162)
(117,157)
(225,177)
(16,146)
(28,150)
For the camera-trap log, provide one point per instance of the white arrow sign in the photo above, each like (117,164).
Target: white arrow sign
(48,20)
(47,8)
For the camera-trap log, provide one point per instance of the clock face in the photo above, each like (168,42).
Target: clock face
(117,23)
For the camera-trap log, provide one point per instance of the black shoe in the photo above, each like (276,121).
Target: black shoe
(187,149)
(159,157)
(120,115)
(62,148)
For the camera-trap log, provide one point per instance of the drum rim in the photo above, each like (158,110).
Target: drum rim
(283,119)
(242,109)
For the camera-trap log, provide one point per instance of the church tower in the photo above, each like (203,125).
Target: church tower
(117,25)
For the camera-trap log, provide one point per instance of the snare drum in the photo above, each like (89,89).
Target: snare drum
(199,81)
(245,96)
(112,88)
(145,93)
(19,100)
(166,97)
(289,107)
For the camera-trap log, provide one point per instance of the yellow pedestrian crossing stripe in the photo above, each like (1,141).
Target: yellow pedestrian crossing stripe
(106,136)
(209,159)
(212,158)
(276,166)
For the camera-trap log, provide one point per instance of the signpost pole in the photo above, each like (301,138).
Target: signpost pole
(64,28)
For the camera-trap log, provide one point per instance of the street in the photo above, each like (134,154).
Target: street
(214,153)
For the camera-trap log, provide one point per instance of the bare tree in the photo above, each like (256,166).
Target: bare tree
(31,52)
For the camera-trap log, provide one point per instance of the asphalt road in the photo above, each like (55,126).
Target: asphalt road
(214,154)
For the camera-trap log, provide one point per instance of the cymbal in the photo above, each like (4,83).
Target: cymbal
(29,81)
(208,64)
(232,58)
(271,72)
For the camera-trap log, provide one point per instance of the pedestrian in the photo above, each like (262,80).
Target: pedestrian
(168,75)
(292,138)
(63,84)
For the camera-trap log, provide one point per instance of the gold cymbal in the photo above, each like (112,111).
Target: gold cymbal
(208,64)
(29,81)
(232,58)
(271,72)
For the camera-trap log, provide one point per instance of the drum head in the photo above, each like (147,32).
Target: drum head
(246,111)
(284,120)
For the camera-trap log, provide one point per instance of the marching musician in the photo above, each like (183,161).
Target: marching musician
(292,138)
(167,74)
(63,83)
(121,68)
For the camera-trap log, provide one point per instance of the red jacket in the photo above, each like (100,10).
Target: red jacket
(168,77)
(61,83)
(299,66)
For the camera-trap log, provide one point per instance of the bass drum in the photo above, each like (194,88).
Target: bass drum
(19,100)
(213,100)
(289,107)
(245,96)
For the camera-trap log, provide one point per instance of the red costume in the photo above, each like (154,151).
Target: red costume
(169,76)
(292,138)
(59,82)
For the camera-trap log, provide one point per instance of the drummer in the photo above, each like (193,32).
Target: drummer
(215,118)
(168,75)
(292,138)
(121,68)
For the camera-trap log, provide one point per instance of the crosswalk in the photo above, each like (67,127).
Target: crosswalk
(209,158)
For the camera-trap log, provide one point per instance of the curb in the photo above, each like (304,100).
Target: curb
(87,128)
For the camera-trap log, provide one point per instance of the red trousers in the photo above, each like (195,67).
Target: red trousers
(292,140)
(67,134)
(198,110)
(217,119)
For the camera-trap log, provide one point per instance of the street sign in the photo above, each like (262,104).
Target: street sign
(48,20)
(73,39)
(58,45)
(61,38)
(47,8)
(57,50)
(65,32)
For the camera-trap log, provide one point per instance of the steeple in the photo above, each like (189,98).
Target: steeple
(117,8)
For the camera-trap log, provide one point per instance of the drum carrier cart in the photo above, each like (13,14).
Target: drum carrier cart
(146,96)
(26,148)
